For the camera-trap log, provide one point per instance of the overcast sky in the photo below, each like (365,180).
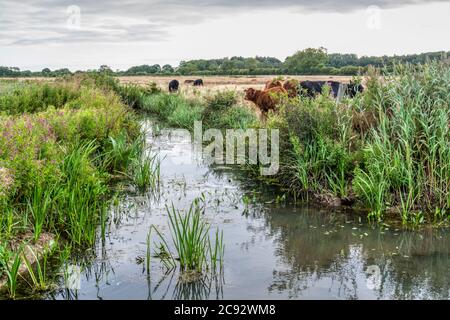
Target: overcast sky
(85,34)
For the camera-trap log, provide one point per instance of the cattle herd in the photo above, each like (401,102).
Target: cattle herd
(274,90)
(174,85)
(270,96)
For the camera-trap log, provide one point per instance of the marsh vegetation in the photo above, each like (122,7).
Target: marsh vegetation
(61,147)
(68,148)
(385,151)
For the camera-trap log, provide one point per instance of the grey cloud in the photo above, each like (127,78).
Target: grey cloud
(42,22)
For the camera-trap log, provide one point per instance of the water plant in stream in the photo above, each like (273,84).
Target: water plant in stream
(145,172)
(38,273)
(10,263)
(190,235)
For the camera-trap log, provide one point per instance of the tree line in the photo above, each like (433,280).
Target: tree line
(304,62)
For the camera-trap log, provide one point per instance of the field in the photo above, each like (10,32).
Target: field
(216,83)
(210,82)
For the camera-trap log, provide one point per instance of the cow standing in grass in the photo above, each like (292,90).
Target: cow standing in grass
(265,100)
(198,82)
(313,88)
(273,84)
(353,88)
(173,86)
(292,87)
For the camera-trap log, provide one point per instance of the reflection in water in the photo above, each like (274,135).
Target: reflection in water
(329,248)
(271,250)
(200,289)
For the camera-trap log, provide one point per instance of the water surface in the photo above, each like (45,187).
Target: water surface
(273,249)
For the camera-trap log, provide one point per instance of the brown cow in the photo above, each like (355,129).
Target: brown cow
(273,84)
(265,99)
(291,86)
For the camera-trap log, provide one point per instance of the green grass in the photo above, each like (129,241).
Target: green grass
(60,146)
(146,173)
(121,153)
(10,263)
(79,196)
(34,97)
(190,235)
(39,273)
(173,108)
(407,155)
(39,207)
(388,148)
(219,111)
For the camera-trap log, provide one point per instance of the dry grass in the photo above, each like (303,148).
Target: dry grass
(212,84)
(238,83)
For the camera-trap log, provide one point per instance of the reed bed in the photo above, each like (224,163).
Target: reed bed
(195,249)
(386,150)
(61,145)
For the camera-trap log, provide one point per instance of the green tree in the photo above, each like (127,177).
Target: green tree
(167,68)
(227,65)
(307,61)
(105,69)
(62,72)
(46,72)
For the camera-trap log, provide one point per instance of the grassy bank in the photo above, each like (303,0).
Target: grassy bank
(386,150)
(220,110)
(61,145)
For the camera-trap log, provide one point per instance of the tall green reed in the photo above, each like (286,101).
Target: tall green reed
(10,263)
(195,251)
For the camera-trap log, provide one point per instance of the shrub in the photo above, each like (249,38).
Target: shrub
(52,161)
(221,100)
(35,97)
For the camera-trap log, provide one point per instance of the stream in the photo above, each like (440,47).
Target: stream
(273,249)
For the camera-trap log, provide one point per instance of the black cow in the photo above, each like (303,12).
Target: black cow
(312,88)
(353,88)
(173,86)
(198,82)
